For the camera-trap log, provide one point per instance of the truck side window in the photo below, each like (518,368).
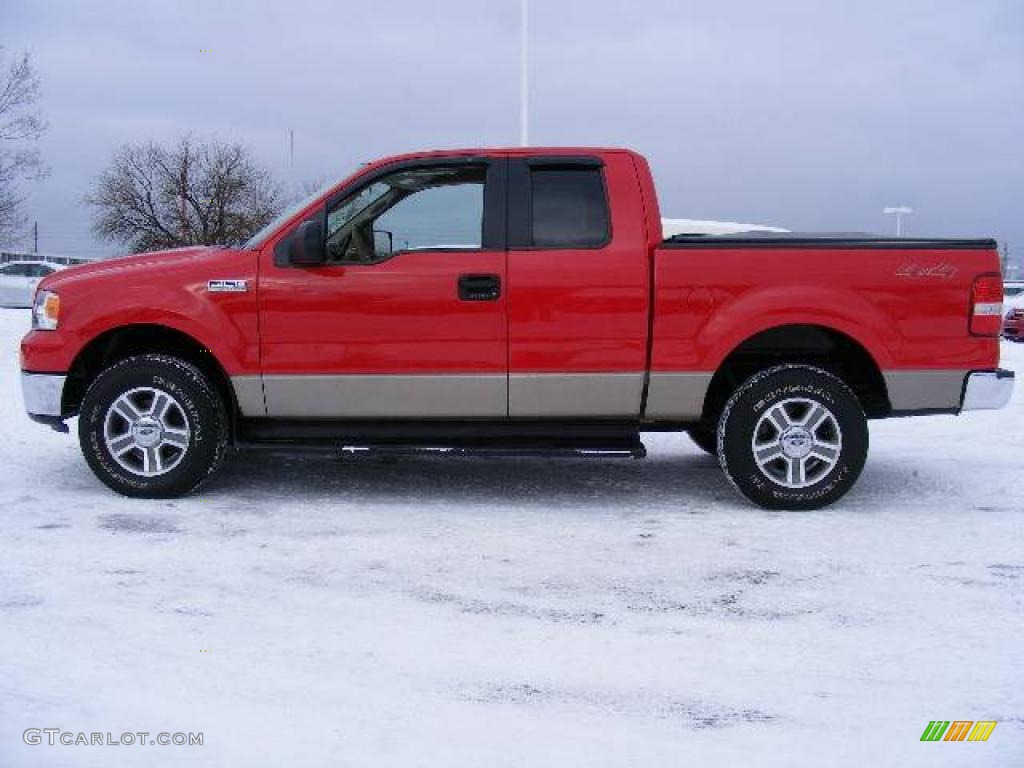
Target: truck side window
(569,208)
(449,216)
(433,207)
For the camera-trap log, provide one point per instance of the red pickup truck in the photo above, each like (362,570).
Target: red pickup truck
(513,300)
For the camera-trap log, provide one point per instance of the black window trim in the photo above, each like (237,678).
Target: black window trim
(493,230)
(520,200)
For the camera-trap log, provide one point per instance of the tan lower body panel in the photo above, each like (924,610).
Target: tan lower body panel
(670,396)
(677,396)
(386,396)
(575,395)
(249,395)
(426,396)
(925,390)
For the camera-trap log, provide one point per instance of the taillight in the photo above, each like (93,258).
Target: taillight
(987,305)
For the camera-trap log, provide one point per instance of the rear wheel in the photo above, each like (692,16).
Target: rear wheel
(153,426)
(793,437)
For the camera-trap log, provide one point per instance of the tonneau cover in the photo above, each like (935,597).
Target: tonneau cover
(826,240)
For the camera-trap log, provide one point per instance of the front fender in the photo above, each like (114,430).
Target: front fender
(176,297)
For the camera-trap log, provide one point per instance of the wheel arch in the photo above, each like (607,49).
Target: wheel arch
(116,344)
(808,343)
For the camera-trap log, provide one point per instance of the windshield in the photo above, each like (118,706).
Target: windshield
(258,239)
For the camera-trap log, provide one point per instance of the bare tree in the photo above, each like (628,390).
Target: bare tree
(196,192)
(20,127)
(309,187)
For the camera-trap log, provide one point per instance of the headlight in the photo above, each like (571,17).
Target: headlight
(46,311)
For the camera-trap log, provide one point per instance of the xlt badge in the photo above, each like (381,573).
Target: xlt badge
(227,286)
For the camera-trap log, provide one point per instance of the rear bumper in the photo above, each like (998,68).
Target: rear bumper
(42,393)
(987,390)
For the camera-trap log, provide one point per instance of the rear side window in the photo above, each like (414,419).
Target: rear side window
(569,207)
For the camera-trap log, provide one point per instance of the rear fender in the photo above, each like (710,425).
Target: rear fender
(759,310)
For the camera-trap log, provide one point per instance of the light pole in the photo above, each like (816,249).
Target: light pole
(524,76)
(899,212)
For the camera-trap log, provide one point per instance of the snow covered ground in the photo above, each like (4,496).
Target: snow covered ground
(496,612)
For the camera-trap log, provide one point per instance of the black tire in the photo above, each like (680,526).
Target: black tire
(196,406)
(705,439)
(789,478)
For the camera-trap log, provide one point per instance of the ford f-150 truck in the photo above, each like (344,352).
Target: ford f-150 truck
(513,300)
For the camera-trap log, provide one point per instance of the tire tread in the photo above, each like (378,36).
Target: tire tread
(190,373)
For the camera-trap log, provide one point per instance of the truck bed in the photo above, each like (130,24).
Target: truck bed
(903,301)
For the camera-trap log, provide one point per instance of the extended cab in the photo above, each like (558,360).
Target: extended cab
(513,300)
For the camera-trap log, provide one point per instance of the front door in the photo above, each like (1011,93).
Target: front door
(407,319)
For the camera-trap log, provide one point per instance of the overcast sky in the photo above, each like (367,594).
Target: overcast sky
(805,114)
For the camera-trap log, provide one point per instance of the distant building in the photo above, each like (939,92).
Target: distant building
(6,256)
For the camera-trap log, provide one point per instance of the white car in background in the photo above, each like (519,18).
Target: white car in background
(18,280)
(673,227)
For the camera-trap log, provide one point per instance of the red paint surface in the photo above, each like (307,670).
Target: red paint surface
(165,288)
(708,301)
(400,316)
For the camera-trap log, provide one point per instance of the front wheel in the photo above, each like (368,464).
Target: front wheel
(793,437)
(153,426)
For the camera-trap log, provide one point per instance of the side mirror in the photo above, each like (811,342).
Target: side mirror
(306,248)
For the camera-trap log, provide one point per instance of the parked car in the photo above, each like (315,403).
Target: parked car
(513,300)
(1012,288)
(1013,320)
(18,280)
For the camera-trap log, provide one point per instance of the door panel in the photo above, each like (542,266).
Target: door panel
(578,316)
(384,340)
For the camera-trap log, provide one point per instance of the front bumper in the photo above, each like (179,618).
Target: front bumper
(987,390)
(42,393)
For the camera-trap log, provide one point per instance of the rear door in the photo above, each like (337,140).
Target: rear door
(578,287)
